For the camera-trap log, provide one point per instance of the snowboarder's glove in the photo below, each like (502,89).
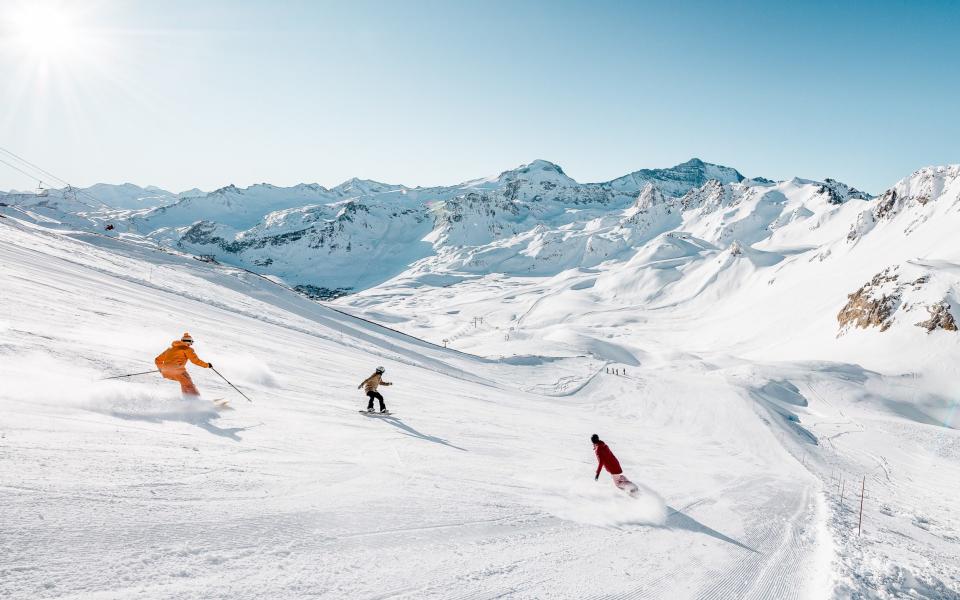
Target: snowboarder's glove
(209,365)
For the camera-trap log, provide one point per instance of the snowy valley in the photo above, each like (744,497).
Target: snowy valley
(756,352)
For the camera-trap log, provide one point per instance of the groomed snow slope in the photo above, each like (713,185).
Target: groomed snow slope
(476,489)
(853,300)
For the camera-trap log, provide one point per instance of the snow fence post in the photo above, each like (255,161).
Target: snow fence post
(863,487)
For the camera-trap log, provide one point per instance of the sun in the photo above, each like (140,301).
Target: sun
(61,57)
(47,32)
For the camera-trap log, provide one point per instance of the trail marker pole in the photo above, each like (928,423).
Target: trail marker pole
(863,487)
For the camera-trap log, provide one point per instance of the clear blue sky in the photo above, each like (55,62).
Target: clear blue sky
(181,93)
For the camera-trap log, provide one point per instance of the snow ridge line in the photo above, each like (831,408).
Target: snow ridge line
(376,346)
(165,250)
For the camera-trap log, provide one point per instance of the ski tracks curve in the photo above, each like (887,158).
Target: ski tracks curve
(782,533)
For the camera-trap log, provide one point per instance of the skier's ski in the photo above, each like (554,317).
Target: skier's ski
(222,403)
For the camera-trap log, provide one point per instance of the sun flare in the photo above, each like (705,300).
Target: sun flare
(48,32)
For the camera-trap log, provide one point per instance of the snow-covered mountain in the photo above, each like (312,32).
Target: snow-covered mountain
(126,196)
(655,235)
(677,180)
(753,350)
(726,256)
(312,236)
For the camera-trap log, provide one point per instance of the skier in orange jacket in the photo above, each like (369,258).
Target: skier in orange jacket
(172,364)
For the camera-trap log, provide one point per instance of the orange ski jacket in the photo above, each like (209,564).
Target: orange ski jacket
(176,357)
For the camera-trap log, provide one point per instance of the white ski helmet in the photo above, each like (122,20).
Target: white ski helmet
(381,370)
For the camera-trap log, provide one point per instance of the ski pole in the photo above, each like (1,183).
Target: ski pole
(231,385)
(130,375)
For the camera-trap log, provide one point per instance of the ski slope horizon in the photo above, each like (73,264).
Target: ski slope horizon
(277,231)
(694,327)
(131,195)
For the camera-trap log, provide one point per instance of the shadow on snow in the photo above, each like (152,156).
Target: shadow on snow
(411,432)
(679,520)
(202,420)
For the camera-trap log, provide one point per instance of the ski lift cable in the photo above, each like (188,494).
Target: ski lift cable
(40,169)
(27,173)
(15,167)
(50,175)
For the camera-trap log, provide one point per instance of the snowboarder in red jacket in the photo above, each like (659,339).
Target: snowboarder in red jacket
(606,460)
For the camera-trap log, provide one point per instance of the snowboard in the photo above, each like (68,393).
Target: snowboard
(375,414)
(626,485)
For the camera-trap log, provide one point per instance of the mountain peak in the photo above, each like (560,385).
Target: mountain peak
(545,165)
(227,189)
(538,166)
(709,170)
(679,179)
(363,186)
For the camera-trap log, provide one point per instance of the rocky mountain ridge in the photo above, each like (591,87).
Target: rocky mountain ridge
(678,230)
(309,234)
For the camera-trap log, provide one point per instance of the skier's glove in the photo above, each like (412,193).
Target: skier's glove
(209,365)
(596,477)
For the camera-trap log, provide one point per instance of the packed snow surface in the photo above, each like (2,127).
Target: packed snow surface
(692,324)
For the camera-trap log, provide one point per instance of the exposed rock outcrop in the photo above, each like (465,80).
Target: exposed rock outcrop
(873,304)
(940,318)
(879,302)
(838,192)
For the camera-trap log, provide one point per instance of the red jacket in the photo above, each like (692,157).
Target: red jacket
(606,460)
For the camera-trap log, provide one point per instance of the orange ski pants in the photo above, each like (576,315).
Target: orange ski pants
(181,375)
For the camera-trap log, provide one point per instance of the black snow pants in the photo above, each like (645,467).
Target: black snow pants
(376,395)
